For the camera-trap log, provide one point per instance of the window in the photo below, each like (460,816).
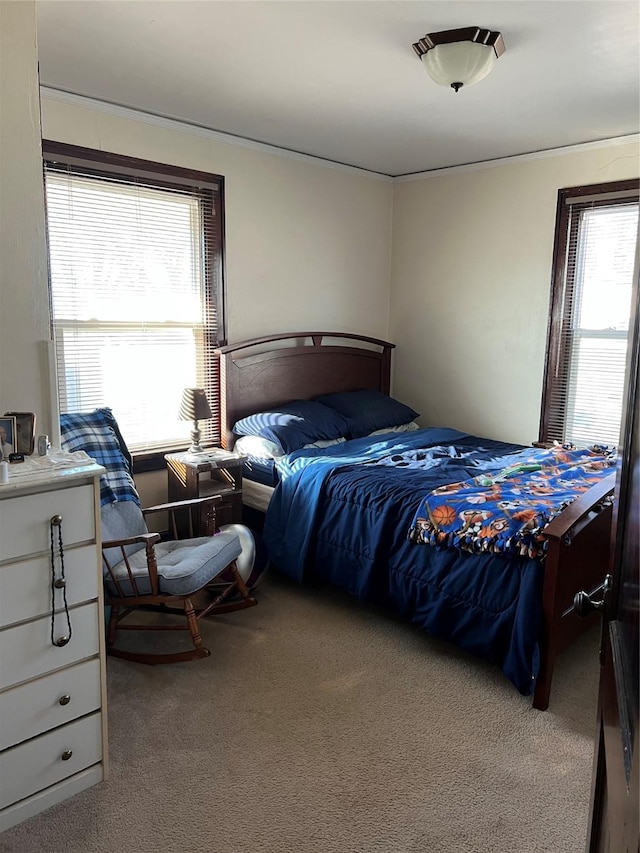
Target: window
(136,263)
(593,269)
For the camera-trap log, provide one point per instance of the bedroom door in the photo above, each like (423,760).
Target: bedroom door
(615,797)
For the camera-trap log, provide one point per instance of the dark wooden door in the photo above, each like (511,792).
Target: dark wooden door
(615,798)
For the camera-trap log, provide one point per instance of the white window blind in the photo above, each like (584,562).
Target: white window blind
(133,268)
(591,306)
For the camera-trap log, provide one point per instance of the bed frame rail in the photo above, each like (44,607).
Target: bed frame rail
(577,559)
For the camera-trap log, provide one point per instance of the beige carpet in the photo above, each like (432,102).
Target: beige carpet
(321,726)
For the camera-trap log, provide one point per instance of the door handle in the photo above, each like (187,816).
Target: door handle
(585,603)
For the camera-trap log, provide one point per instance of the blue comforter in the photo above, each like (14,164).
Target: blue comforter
(343,514)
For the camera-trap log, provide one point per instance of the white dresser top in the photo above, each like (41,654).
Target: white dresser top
(54,470)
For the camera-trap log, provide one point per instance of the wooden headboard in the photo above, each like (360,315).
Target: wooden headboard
(261,373)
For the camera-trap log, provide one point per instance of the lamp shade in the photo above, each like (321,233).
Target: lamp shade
(194,405)
(461,57)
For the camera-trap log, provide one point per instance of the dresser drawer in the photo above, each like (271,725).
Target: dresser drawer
(48,702)
(24,521)
(39,763)
(25,586)
(26,650)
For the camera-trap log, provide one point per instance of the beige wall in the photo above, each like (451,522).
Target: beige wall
(471,275)
(24,302)
(308,247)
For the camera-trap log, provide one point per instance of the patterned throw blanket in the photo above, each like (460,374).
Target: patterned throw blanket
(506,511)
(97,434)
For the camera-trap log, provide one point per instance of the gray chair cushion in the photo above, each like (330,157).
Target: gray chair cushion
(184,566)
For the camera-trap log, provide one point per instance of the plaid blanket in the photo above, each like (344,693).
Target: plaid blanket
(98,435)
(506,511)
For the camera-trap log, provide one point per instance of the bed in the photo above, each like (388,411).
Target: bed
(342,513)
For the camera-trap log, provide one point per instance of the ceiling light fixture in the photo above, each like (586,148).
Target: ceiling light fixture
(461,57)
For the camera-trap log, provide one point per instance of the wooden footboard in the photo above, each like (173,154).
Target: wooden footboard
(577,559)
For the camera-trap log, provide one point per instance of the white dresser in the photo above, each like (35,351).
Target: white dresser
(53,738)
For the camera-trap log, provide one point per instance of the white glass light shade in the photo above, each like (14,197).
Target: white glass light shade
(464,62)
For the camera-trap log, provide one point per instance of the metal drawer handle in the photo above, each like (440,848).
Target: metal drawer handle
(62,641)
(66,755)
(60,583)
(64,700)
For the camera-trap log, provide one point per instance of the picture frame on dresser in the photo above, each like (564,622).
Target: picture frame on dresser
(25,431)
(7,436)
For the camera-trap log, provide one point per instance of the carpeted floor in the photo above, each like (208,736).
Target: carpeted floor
(321,726)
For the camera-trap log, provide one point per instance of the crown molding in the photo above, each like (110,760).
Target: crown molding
(61,95)
(520,158)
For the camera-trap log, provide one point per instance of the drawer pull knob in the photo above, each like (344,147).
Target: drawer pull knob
(60,583)
(56,520)
(66,755)
(64,700)
(62,641)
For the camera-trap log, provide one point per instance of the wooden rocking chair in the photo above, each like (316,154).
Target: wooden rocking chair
(140,571)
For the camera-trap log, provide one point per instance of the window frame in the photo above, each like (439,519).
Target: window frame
(105,164)
(557,355)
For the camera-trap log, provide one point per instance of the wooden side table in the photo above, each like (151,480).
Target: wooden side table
(216,472)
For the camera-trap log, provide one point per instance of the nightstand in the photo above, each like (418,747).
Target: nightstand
(215,472)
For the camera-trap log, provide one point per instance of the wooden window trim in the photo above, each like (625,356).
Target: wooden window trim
(162,175)
(557,352)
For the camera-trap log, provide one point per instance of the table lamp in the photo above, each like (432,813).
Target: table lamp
(195,407)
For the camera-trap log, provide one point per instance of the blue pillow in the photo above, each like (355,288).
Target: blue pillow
(295,424)
(368,410)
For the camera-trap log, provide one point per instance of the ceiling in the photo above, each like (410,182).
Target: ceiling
(339,80)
